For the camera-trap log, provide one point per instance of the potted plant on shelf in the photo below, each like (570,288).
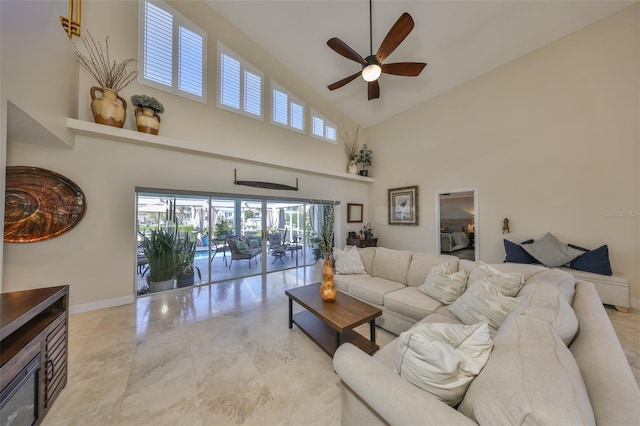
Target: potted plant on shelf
(350,139)
(160,250)
(365,158)
(185,258)
(147,113)
(111,77)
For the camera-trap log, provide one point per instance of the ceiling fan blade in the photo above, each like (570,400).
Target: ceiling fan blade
(396,34)
(409,69)
(339,84)
(373,90)
(341,48)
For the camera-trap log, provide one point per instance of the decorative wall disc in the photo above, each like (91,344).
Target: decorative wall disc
(40,204)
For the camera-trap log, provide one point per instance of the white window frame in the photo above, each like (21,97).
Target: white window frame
(179,20)
(291,99)
(327,128)
(245,66)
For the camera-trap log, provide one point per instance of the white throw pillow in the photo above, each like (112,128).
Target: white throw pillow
(444,286)
(348,261)
(482,302)
(549,251)
(507,283)
(443,358)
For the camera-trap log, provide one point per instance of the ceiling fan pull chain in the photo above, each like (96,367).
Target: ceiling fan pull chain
(370,29)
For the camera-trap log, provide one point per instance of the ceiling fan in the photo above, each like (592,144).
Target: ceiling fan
(372,65)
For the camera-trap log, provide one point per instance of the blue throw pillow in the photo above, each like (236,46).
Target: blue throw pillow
(516,254)
(596,261)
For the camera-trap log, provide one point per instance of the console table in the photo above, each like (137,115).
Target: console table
(33,351)
(362,242)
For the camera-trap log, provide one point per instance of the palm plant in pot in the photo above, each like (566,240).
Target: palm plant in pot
(185,258)
(160,250)
(147,113)
(111,77)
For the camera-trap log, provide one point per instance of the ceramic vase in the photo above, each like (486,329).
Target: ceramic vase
(352,168)
(106,109)
(147,120)
(328,287)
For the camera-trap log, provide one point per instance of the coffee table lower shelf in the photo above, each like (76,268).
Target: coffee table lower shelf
(327,338)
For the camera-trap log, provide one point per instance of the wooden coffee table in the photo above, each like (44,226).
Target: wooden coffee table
(329,324)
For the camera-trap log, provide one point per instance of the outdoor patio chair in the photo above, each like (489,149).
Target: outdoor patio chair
(276,248)
(241,249)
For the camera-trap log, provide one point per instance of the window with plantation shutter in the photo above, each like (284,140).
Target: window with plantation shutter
(239,84)
(286,109)
(322,128)
(172,51)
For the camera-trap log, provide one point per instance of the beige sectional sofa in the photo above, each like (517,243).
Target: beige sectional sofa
(531,376)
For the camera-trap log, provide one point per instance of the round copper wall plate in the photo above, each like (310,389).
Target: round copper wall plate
(40,204)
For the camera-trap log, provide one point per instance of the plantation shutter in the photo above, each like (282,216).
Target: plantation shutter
(229,81)
(190,63)
(297,116)
(317,126)
(158,45)
(331,133)
(252,93)
(280,114)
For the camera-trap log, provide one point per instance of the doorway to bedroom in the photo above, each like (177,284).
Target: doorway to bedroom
(457,223)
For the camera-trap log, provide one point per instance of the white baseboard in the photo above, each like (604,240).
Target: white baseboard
(93,306)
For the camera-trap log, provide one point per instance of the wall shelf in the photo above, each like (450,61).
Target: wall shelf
(101,131)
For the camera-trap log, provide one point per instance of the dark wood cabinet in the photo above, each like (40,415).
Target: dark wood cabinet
(34,325)
(362,242)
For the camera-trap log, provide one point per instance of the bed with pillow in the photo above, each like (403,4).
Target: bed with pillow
(453,241)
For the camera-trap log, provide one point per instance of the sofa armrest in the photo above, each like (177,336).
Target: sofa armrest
(394,399)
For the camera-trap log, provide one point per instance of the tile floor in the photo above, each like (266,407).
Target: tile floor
(214,355)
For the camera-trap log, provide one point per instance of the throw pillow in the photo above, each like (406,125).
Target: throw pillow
(596,261)
(549,251)
(482,302)
(242,247)
(348,261)
(444,286)
(443,359)
(516,254)
(507,283)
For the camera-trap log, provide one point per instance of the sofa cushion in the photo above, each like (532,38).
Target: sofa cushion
(443,285)
(507,283)
(596,261)
(549,251)
(366,255)
(531,378)
(242,246)
(546,302)
(443,358)
(391,264)
(482,302)
(373,289)
(348,261)
(410,302)
(563,281)
(421,264)
(342,281)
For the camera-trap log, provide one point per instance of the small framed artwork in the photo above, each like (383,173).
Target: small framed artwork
(403,205)
(354,213)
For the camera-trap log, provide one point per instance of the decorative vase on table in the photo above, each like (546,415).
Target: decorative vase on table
(352,168)
(106,109)
(147,120)
(328,287)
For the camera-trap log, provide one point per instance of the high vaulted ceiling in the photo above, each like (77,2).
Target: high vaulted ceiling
(459,40)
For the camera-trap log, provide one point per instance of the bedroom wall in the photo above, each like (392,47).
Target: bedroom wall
(456,208)
(97,257)
(550,140)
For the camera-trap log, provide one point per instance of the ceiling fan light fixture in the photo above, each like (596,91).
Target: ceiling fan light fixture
(371,72)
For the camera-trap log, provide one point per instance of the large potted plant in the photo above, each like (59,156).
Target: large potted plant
(160,250)
(185,258)
(147,113)
(111,77)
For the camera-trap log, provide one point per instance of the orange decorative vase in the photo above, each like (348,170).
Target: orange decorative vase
(106,108)
(328,287)
(147,120)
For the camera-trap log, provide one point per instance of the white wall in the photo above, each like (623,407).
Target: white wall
(550,141)
(97,257)
(456,208)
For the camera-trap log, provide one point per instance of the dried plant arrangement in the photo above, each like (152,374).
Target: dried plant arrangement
(350,139)
(107,73)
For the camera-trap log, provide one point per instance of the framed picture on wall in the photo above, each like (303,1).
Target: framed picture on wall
(403,205)
(354,213)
